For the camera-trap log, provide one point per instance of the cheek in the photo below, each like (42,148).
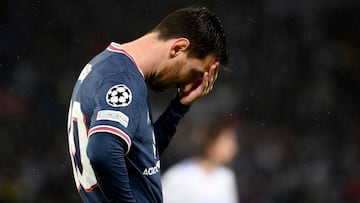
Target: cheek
(189,78)
(194,76)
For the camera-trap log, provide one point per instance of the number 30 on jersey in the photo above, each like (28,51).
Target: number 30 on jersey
(78,140)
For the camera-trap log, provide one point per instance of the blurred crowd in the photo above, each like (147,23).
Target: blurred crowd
(293,85)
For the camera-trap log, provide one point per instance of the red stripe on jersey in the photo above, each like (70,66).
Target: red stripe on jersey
(89,189)
(113,130)
(115,47)
(86,127)
(92,188)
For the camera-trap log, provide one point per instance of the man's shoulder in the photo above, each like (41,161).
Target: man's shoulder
(113,67)
(110,62)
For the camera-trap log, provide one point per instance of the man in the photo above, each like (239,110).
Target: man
(208,178)
(114,145)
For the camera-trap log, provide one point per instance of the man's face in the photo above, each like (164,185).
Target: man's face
(182,71)
(224,148)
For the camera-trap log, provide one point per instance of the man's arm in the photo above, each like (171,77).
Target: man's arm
(165,126)
(107,157)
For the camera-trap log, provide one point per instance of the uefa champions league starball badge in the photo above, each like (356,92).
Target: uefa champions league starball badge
(119,96)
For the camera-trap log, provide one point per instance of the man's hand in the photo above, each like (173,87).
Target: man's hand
(193,91)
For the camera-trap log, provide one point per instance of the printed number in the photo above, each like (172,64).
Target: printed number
(78,140)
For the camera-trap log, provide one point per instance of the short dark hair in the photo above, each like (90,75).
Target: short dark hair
(203,29)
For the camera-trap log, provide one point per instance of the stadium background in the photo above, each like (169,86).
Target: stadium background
(293,86)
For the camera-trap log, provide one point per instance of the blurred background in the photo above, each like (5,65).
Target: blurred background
(293,85)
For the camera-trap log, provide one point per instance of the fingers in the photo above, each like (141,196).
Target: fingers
(206,83)
(192,91)
(210,78)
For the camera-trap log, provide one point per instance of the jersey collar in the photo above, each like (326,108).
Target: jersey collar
(115,47)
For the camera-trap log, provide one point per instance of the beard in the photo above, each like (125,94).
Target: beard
(157,86)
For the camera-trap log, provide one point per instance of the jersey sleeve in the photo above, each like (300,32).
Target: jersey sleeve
(165,126)
(117,102)
(108,162)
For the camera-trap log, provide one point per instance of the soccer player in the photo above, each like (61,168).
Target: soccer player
(114,144)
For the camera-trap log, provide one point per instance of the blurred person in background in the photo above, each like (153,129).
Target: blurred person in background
(205,178)
(114,145)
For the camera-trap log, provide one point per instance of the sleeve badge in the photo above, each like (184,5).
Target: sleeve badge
(119,96)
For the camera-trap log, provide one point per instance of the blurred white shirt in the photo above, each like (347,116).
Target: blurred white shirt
(186,182)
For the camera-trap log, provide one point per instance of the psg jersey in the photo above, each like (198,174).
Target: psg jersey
(110,96)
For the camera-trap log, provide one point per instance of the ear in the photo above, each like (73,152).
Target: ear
(178,46)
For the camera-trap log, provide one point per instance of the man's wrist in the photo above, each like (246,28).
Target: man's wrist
(176,103)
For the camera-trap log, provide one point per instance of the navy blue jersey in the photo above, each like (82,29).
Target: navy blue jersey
(113,143)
